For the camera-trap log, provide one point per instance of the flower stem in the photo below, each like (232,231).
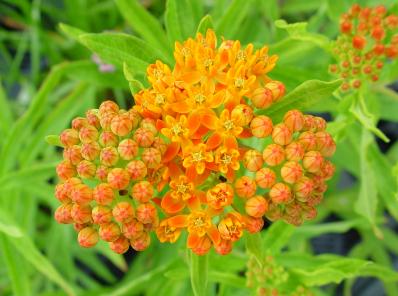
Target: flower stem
(199,269)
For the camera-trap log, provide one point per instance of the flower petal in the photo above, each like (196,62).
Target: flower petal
(170,205)
(179,221)
(214,235)
(214,141)
(193,240)
(172,150)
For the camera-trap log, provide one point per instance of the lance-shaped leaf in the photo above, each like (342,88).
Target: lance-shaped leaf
(230,22)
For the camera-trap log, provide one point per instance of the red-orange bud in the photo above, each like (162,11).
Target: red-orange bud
(261,126)
(280,193)
(291,172)
(127,149)
(262,98)
(81,194)
(141,242)
(273,154)
(103,194)
(109,232)
(123,212)
(151,157)
(88,237)
(81,214)
(86,169)
(121,125)
(256,206)
(101,214)
(142,191)
(245,187)
(65,170)
(253,160)
(88,134)
(118,178)
(63,214)
(137,169)
(265,178)
(107,139)
(144,137)
(312,161)
(90,151)
(69,137)
(146,213)
(294,151)
(109,156)
(120,246)
(294,120)
(132,229)
(281,134)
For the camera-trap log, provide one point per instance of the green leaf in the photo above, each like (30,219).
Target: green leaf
(134,84)
(71,32)
(360,111)
(180,19)
(6,117)
(277,236)
(366,203)
(53,140)
(29,251)
(332,227)
(119,48)
(199,273)
(302,97)
(298,31)
(255,247)
(388,103)
(145,24)
(205,23)
(233,17)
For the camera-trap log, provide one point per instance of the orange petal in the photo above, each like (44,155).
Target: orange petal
(172,150)
(193,122)
(209,120)
(191,77)
(194,202)
(214,235)
(180,107)
(218,99)
(202,177)
(174,170)
(201,195)
(170,205)
(231,143)
(157,201)
(178,221)
(214,141)
(230,175)
(212,166)
(246,133)
(160,124)
(200,132)
(191,173)
(193,240)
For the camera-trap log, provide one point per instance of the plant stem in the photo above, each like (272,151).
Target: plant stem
(199,270)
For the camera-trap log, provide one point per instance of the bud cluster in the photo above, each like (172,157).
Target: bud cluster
(368,37)
(108,157)
(290,172)
(170,163)
(269,278)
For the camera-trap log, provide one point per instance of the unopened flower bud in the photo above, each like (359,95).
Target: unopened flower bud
(151,157)
(265,178)
(141,242)
(307,140)
(88,134)
(242,114)
(273,154)
(327,170)
(262,98)
(65,170)
(63,214)
(291,172)
(261,126)
(81,194)
(101,214)
(253,160)
(109,156)
(312,161)
(108,139)
(106,120)
(78,123)
(203,246)
(294,151)
(102,173)
(143,137)
(88,237)
(118,178)
(142,191)
(69,137)
(127,149)
(73,154)
(358,42)
(132,229)
(146,213)
(108,106)
(81,213)
(86,169)
(294,120)
(281,134)
(303,188)
(61,193)
(149,124)
(92,118)
(121,125)
(103,194)
(224,247)
(159,144)
(120,246)
(109,232)
(123,212)
(280,193)
(253,225)
(256,206)
(277,88)
(90,151)
(137,169)
(245,187)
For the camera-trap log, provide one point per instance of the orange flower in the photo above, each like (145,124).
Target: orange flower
(227,160)
(197,157)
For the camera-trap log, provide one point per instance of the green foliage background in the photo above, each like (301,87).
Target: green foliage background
(48,77)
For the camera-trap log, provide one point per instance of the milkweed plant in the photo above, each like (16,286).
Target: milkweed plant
(214,149)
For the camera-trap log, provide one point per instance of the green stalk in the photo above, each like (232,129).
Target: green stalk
(199,271)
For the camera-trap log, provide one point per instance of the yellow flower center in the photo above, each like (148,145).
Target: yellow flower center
(176,129)
(226,158)
(239,82)
(182,188)
(208,62)
(157,73)
(200,99)
(241,55)
(185,51)
(160,99)
(197,156)
(199,222)
(228,124)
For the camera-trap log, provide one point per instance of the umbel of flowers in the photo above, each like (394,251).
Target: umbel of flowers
(176,163)
(368,37)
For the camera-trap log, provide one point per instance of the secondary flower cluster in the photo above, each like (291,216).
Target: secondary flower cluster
(368,37)
(177,162)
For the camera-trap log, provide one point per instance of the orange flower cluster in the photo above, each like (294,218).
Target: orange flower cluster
(368,37)
(170,164)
